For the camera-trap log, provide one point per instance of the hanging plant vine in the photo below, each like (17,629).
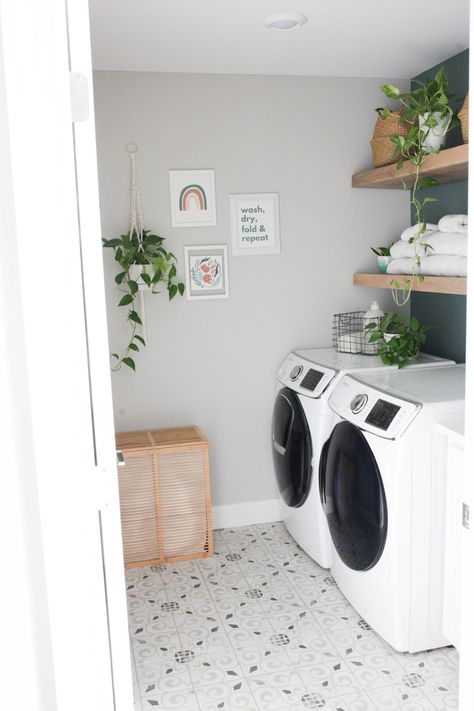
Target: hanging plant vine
(428,101)
(144,264)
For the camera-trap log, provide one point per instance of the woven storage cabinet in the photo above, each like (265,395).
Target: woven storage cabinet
(165,501)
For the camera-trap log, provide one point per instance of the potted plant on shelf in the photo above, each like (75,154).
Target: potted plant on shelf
(398,338)
(144,264)
(426,108)
(383,258)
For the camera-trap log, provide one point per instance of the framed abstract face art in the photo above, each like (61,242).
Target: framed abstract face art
(193,199)
(206,272)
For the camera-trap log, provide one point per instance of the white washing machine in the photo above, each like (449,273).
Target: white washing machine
(383,490)
(302,422)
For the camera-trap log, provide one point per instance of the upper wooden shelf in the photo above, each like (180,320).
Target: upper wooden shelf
(432,284)
(447,166)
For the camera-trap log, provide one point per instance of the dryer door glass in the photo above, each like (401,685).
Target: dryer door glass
(292,448)
(354,498)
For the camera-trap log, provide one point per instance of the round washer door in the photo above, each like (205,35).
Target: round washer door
(292,448)
(353,497)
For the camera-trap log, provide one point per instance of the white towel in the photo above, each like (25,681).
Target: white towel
(435,265)
(404,265)
(453,223)
(452,243)
(402,249)
(411,231)
(444,265)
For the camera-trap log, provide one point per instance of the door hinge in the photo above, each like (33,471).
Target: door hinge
(465,515)
(79,96)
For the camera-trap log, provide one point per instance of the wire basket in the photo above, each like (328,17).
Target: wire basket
(349,334)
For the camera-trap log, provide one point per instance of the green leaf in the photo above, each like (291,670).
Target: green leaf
(119,277)
(172,272)
(181,288)
(146,278)
(130,362)
(390,91)
(133,347)
(126,299)
(133,286)
(139,338)
(133,316)
(172,291)
(114,355)
(112,242)
(157,276)
(429,182)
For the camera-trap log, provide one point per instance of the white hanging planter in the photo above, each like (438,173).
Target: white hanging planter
(434,138)
(135,272)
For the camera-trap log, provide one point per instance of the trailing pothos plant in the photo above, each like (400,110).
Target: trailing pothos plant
(424,108)
(144,263)
(398,339)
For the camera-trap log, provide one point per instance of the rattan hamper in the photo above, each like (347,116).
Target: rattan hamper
(165,500)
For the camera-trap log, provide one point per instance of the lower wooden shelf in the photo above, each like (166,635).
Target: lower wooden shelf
(432,284)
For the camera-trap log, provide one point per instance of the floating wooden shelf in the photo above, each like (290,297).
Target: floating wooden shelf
(432,284)
(448,166)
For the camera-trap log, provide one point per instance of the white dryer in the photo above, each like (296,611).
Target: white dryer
(302,422)
(383,490)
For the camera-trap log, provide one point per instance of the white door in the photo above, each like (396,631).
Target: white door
(60,414)
(466,677)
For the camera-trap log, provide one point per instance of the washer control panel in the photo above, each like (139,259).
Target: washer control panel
(305,377)
(371,409)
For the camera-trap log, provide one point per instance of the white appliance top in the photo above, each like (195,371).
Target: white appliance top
(309,372)
(429,386)
(357,361)
(385,403)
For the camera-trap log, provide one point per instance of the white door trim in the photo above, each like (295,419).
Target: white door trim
(51,422)
(466,677)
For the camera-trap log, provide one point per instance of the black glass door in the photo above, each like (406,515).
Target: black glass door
(292,448)
(353,497)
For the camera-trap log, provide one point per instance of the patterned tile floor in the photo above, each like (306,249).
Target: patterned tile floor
(261,627)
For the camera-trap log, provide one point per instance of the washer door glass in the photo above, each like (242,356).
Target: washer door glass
(353,497)
(292,448)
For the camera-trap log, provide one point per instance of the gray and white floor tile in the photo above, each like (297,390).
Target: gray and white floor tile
(261,627)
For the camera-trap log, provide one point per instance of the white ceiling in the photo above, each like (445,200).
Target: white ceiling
(361,38)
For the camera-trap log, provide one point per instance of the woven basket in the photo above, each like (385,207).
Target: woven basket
(165,500)
(463,117)
(382,147)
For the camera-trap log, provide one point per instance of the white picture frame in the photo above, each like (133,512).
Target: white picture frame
(206,271)
(255,224)
(192,198)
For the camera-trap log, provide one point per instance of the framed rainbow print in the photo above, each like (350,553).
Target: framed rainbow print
(206,272)
(193,198)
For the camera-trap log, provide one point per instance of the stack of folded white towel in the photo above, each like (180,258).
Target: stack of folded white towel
(445,253)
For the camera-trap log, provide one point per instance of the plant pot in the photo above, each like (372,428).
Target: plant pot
(135,272)
(434,137)
(382,263)
(388,336)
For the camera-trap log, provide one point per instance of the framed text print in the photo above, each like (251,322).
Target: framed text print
(193,198)
(255,224)
(206,272)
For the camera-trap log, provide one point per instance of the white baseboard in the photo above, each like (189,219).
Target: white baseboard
(245,514)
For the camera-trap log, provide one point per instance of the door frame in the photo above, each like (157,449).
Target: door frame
(60,498)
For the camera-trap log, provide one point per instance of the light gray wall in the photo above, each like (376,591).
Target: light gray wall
(212,363)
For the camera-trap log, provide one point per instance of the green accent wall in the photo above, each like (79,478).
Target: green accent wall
(447,311)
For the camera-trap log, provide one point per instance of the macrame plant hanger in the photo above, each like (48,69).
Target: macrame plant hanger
(136,219)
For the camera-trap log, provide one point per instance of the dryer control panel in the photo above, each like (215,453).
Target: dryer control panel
(371,409)
(304,377)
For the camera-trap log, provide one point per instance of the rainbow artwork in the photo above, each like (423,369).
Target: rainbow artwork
(192,198)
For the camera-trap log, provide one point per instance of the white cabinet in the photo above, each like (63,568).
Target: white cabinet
(453,432)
